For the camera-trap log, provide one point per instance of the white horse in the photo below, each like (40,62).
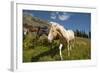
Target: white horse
(65,36)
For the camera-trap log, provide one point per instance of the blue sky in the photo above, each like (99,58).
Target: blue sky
(70,20)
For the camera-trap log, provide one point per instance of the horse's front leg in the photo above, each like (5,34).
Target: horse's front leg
(60,48)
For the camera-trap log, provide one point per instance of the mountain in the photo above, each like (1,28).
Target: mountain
(34,21)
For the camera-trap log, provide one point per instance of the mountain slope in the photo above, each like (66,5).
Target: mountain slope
(34,21)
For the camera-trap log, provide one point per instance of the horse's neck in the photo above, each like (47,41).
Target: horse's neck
(61,37)
(62,30)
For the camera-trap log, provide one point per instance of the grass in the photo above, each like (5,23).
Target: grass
(44,51)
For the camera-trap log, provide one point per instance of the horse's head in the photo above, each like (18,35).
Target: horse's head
(52,32)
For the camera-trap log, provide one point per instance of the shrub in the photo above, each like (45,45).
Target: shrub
(29,41)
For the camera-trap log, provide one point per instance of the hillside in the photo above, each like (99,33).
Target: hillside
(34,21)
(40,50)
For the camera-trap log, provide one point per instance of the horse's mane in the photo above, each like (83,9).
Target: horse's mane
(63,32)
(59,27)
(54,23)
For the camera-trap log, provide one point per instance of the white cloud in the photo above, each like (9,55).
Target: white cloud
(53,16)
(63,17)
(60,16)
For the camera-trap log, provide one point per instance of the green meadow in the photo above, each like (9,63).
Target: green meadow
(38,49)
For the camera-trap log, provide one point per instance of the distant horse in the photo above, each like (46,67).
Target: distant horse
(65,36)
(29,28)
(37,29)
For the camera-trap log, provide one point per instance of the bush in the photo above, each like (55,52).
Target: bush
(29,41)
(43,40)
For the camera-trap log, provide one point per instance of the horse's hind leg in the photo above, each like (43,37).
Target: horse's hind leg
(68,46)
(60,48)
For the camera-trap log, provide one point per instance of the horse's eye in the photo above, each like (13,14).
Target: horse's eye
(52,30)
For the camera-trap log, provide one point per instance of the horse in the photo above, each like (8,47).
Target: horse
(65,36)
